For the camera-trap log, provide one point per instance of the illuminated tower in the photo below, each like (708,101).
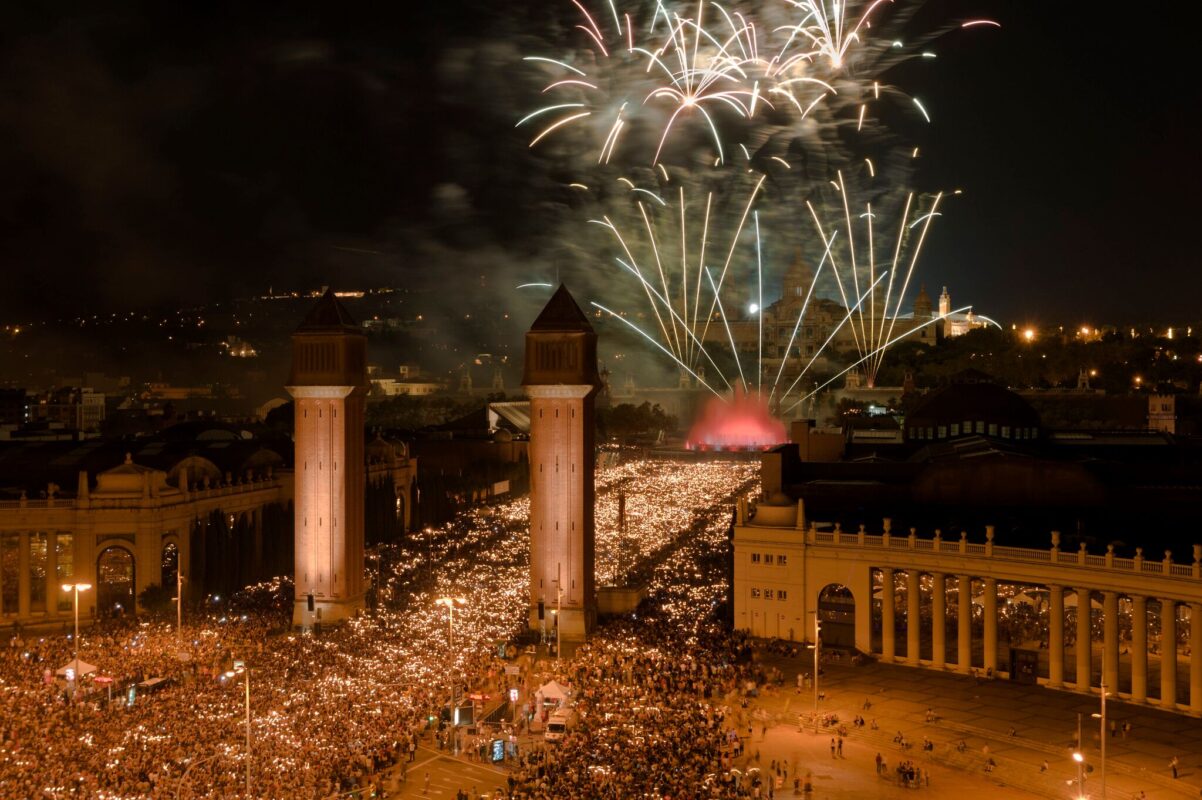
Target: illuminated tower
(945,310)
(329,384)
(561,380)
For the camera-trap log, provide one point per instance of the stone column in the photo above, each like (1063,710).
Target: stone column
(888,613)
(1168,653)
(52,584)
(1195,657)
(913,617)
(938,620)
(1110,641)
(964,624)
(1084,642)
(23,575)
(1139,649)
(1056,637)
(990,612)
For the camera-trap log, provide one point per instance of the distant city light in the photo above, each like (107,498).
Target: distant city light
(1029,334)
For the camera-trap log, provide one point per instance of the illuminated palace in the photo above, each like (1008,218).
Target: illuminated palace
(822,321)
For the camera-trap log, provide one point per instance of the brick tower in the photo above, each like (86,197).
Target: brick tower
(561,380)
(329,384)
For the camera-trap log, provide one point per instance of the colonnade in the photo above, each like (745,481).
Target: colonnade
(1166,609)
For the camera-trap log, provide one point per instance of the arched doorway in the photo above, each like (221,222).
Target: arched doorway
(837,611)
(115,582)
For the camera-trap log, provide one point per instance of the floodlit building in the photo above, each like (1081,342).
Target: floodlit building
(329,385)
(561,380)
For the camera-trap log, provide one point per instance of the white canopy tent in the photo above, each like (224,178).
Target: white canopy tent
(554,691)
(76,667)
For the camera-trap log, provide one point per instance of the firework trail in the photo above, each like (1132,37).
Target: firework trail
(703,91)
(749,74)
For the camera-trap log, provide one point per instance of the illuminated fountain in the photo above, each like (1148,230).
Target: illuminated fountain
(743,422)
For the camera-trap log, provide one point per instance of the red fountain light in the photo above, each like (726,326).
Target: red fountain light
(743,422)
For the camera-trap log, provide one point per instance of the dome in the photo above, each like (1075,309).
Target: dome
(922,303)
(797,279)
(979,408)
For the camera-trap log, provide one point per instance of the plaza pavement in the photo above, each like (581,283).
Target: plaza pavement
(448,774)
(982,713)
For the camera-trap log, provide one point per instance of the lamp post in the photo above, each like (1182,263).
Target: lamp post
(558,608)
(179,603)
(1080,759)
(450,602)
(817,649)
(240,666)
(1102,728)
(75,589)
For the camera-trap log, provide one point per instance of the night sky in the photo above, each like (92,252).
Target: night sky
(163,154)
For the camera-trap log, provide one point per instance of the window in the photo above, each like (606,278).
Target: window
(782,595)
(782,560)
(943,431)
(755,593)
(767,594)
(980,426)
(755,558)
(767,558)
(1005,431)
(992,429)
(955,429)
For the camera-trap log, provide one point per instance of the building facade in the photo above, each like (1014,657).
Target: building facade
(956,605)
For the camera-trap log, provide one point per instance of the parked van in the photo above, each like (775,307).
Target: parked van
(559,724)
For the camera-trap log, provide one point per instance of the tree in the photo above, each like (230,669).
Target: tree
(157,599)
(627,421)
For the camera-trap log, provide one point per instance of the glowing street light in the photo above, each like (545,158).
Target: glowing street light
(76,588)
(450,602)
(1102,725)
(1029,334)
(240,666)
(817,650)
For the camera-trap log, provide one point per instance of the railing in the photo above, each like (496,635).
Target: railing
(100,501)
(37,504)
(1078,558)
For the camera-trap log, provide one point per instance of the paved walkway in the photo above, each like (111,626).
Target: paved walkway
(982,713)
(853,775)
(448,774)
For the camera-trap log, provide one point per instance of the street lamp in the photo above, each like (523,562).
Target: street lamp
(1102,726)
(817,651)
(1080,759)
(558,608)
(179,603)
(450,602)
(240,666)
(76,588)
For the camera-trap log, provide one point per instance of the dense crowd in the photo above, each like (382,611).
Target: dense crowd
(330,712)
(659,717)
